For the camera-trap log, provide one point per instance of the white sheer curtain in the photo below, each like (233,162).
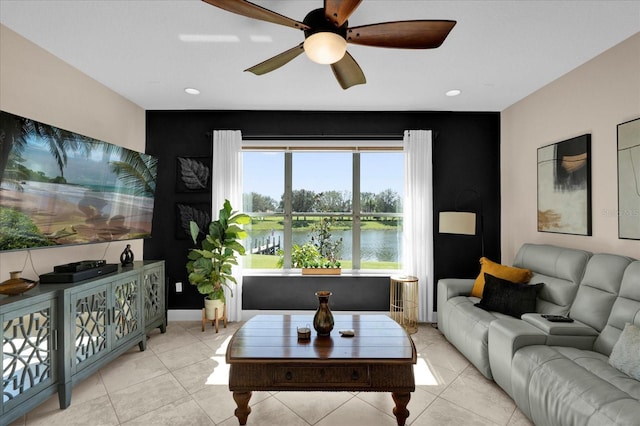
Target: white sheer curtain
(418,217)
(226,183)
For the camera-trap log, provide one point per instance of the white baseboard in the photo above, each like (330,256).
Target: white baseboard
(184,315)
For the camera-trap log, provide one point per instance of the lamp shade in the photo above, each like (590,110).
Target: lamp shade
(463,223)
(325,47)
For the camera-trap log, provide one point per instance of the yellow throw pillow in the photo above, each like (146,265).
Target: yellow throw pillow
(516,275)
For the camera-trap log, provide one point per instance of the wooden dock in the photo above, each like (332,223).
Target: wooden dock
(268,246)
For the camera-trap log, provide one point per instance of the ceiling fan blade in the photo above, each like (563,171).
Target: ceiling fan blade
(426,34)
(348,72)
(250,10)
(277,61)
(338,11)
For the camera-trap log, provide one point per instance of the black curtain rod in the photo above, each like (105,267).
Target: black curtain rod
(358,137)
(274,137)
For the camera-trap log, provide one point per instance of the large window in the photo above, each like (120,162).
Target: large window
(296,197)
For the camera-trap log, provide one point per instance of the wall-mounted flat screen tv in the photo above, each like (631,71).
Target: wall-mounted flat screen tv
(58,187)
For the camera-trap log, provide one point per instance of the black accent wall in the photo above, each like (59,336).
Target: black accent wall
(466,173)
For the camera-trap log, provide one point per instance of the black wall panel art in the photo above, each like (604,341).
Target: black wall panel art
(200,213)
(194,174)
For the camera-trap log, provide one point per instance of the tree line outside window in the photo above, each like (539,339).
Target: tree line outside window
(302,200)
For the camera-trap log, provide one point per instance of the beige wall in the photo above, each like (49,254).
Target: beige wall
(593,99)
(37,85)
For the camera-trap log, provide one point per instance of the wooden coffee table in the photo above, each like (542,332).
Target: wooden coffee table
(266,355)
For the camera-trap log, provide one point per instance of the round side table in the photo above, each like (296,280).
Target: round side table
(403,301)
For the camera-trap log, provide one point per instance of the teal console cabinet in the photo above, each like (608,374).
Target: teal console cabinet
(56,335)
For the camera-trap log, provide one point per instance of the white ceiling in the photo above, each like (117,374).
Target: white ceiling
(498,53)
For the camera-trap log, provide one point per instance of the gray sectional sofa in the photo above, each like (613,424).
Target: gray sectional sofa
(557,373)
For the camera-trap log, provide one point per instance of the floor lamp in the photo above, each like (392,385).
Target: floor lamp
(460,223)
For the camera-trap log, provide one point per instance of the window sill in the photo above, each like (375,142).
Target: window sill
(298,273)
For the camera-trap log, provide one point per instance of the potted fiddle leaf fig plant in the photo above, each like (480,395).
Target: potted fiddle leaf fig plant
(209,266)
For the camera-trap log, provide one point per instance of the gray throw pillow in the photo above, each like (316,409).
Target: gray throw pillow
(625,355)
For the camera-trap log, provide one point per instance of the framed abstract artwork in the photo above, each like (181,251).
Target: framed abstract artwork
(629,180)
(564,187)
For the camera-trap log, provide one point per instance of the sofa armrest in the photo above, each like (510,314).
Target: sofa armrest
(452,287)
(575,328)
(572,334)
(506,337)
(449,288)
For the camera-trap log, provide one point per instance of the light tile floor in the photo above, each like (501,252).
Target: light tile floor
(181,379)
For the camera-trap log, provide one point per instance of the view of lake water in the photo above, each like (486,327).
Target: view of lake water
(375,244)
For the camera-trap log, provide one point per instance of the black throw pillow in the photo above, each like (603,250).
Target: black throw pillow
(508,298)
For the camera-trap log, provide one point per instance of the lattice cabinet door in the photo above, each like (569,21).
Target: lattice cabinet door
(91,324)
(125,313)
(29,344)
(153,290)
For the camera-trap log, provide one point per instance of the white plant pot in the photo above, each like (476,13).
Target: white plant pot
(210,308)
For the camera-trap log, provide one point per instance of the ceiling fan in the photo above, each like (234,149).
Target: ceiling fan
(327,33)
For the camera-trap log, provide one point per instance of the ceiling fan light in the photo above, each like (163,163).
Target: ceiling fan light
(325,47)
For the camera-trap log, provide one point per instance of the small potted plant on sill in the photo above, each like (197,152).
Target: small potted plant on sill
(324,267)
(318,257)
(209,267)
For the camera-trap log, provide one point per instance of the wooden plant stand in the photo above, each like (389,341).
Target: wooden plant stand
(214,322)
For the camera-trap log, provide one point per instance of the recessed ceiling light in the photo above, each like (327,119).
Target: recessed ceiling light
(192,91)
(454,92)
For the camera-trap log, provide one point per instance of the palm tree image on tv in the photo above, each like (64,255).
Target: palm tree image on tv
(58,187)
